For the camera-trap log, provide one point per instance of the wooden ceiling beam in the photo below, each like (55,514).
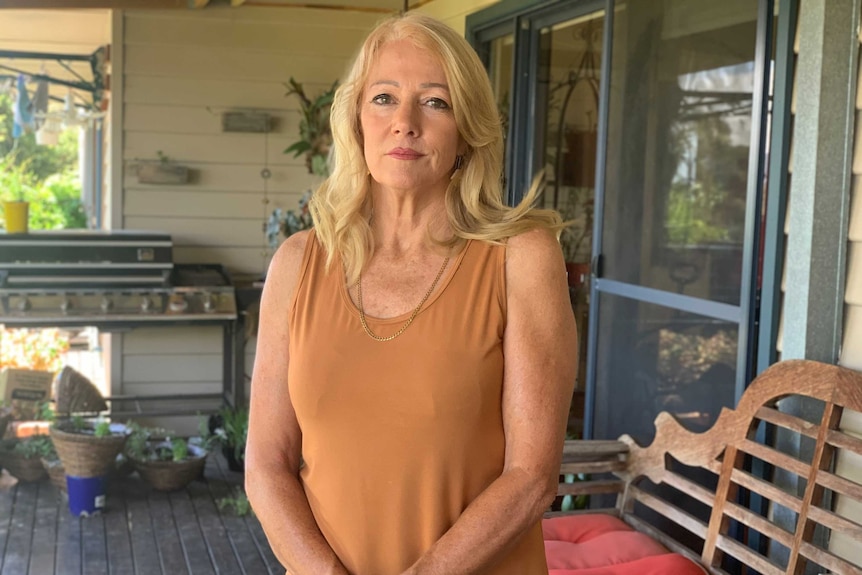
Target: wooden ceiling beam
(101,4)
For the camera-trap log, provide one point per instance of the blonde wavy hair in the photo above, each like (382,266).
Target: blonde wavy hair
(474,199)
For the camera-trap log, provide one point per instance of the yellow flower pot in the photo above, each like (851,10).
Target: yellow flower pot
(17,214)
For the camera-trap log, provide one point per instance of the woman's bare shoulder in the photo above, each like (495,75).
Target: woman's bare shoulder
(537,245)
(285,267)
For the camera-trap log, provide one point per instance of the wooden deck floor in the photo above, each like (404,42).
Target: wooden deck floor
(141,532)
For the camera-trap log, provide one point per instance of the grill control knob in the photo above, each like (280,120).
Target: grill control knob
(24,304)
(65,305)
(209,303)
(107,304)
(146,304)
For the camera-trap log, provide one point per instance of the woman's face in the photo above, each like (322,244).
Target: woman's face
(408,127)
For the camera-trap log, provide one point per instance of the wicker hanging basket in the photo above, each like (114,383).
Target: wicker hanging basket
(172,475)
(84,454)
(77,394)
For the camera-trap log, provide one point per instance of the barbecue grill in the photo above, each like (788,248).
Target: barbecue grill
(114,280)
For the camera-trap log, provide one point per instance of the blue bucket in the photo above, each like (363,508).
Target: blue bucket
(86,495)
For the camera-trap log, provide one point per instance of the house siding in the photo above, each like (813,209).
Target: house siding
(850,465)
(454,12)
(180,71)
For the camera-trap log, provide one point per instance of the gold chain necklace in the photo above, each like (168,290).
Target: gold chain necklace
(413,315)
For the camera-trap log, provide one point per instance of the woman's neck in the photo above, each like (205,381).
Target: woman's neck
(401,222)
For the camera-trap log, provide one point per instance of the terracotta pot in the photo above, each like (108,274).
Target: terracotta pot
(578,273)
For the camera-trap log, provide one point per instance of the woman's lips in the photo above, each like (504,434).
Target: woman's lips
(404,154)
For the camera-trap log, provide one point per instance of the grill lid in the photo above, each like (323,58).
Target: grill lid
(85,258)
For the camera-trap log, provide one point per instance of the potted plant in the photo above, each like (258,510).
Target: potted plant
(283,223)
(229,428)
(166,465)
(315,134)
(15,187)
(21,458)
(87,448)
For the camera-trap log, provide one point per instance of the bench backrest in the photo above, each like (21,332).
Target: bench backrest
(810,508)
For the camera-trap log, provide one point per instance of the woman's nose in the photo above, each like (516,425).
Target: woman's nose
(406,120)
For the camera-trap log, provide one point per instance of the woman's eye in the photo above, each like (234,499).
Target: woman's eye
(382,99)
(437,104)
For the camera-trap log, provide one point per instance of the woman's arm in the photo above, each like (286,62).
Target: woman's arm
(540,350)
(273,450)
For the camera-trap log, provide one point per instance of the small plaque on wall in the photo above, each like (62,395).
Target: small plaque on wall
(244,121)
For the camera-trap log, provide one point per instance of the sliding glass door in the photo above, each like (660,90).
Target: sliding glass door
(646,117)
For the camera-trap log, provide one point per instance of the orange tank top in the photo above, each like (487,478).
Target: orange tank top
(399,437)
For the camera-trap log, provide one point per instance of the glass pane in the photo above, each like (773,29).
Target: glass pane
(678,142)
(567,96)
(501,63)
(651,359)
(568,86)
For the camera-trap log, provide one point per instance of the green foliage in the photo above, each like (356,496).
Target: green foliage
(572,502)
(140,445)
(38,446)
(102,429)
(233,430)
(315,134)
(706,204)
(239,502)
(44,176)
(44,411)
(42,161)
(78,423)
(179,449)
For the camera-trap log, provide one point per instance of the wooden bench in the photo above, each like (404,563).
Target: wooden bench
(727,498)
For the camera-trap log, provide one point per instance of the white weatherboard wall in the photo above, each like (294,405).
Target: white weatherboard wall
(454,12)
(181,70)
(850,466)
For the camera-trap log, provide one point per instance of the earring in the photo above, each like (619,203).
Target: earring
(459,161)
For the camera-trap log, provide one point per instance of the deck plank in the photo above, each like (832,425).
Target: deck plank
(7,498)
(250,559)
(145,554)
(44,547)
(21,530)
(119,541)
(197,554)
(273,566)
(171,551)
(94,552)
(141,532)
(215,535)
(68,558)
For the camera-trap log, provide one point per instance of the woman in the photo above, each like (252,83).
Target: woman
(416,352)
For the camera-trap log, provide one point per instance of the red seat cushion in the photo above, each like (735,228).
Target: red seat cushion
(600,544)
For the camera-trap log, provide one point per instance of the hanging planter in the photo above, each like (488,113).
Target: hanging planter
(162,171)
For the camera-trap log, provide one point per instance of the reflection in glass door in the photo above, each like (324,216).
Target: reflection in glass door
(566,135)
(677,213)
(501,60)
